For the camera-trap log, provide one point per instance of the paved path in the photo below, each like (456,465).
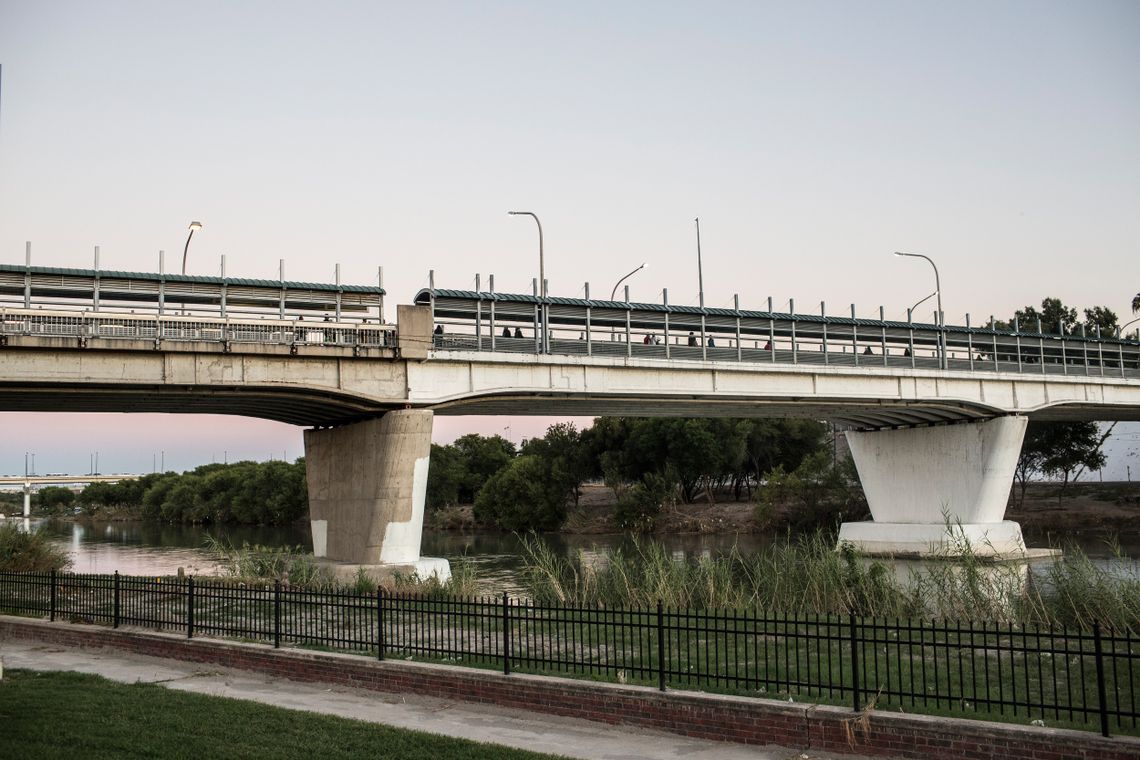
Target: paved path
(514,728)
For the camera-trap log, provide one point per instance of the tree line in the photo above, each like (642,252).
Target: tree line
(647,461)
(247,493)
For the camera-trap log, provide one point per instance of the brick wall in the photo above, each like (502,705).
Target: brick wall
(707,716)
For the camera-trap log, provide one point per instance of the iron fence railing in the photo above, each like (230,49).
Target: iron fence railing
(496,322)
(1079,677)
(86,326)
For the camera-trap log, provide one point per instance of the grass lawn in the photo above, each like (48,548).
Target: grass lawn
(71,715)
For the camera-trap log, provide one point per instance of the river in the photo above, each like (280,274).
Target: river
(150,548)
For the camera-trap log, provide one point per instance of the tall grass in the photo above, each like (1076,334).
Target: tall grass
(290,564)
(808,576)
(30,552)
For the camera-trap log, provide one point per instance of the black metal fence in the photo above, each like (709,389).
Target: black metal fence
(1081,678)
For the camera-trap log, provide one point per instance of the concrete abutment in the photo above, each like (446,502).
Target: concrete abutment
(367,484)
(932,489)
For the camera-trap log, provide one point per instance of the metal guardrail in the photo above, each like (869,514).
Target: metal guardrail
(653,331)
(1084,677)
(114,326)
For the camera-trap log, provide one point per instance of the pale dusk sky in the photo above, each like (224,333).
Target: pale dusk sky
(812,139)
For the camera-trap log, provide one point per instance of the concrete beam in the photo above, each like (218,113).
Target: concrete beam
(932,488)
(367,483)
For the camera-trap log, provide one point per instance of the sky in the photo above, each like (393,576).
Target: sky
(812,139)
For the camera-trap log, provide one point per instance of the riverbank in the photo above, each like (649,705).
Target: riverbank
(1048,512)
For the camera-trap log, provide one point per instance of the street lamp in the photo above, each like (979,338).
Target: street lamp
(1120,330)
(541,259)
(194,227)
(623,279)
(937,292)
(541,274)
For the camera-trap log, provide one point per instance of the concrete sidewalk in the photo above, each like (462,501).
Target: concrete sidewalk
(513,728)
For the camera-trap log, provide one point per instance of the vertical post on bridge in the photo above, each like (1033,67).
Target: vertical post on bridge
(589,337)
(736,306)
(28,274)
(380,308)
(281,276)
(491,290)
(478,312)
(628,337)
(96,293)
(665,299)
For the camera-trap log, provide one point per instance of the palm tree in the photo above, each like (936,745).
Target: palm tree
(1136,303)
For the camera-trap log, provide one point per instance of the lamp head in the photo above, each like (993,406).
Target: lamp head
(195,226)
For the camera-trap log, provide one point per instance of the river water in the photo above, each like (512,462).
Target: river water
(151,548)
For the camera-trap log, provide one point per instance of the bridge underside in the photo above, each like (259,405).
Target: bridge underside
(317,408)
(854,413)
(293,406)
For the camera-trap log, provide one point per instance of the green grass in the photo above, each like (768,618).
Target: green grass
(70,715)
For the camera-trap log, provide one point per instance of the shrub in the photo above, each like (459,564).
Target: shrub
(33,552)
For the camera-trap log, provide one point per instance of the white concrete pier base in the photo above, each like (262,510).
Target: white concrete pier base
(934,490)
(367,483)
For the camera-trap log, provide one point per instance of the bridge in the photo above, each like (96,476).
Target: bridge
(936,413)
(28,482)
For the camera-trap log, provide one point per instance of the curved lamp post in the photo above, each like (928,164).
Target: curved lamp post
(541,275)
(623,279)
(1120,330)
(937,292)
(194,227)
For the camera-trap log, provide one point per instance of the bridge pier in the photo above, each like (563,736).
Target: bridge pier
(932,488)
(367,483)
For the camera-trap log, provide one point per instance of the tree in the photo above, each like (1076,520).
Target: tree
(564,456)
(1136,303)
(1055,317)
(54,500)
(520,497)
(482,457)
(445,476)
(1100,318)
(1058,449)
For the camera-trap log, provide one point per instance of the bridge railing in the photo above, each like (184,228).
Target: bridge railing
(147,327)
(466,322)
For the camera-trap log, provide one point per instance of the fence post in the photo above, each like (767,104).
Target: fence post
(1100,687)
(380,622)
(276,614)
(660,647)
(190,607)
(854,665)
(115,616)
(51,602)
(506,634)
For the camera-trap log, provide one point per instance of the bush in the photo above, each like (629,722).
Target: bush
(22,552)
(522,496)
(639,507)
(819,495)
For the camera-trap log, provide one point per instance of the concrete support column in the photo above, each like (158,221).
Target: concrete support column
(931,488)
(27,500)
(367,483)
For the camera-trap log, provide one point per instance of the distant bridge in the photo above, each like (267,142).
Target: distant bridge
(27,483)
(47,480)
